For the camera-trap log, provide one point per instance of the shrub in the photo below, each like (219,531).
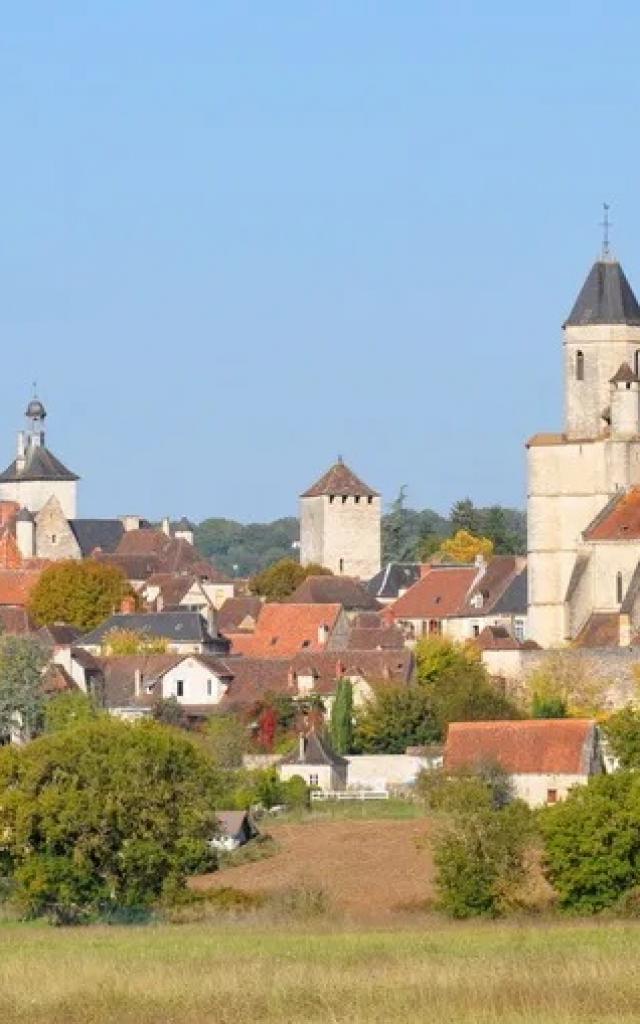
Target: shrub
(103,815)
(592,843)
(67,710)
(480,860)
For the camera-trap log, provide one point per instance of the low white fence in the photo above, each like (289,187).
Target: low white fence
(349,794)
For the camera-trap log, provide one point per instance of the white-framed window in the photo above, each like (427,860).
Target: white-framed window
(313,779)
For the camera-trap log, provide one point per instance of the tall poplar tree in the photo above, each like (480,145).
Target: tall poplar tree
(342,718)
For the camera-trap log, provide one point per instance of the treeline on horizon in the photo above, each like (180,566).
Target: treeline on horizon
(241,549)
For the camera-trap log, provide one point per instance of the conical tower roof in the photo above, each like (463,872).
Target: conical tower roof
(606,297)
(341,481)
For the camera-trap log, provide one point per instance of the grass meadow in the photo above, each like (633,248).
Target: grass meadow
(245,970)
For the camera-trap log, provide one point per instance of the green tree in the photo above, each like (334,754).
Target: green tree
(592,843)
(225,739)
(495,526)
(168,711)
(622,731)
(479,853)
(548,707)
(437,655)
(105,815)
(396,718)
(22,661)
(66,710)
(465,516)
(341,726)
(469,696)
(279,581)
(398,541)
(80,593)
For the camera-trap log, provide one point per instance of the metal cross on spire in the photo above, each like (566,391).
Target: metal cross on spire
(605,224)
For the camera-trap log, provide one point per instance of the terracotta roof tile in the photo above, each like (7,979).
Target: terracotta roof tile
(341,481)
(531,747)
(237,613)
(441,592)
(602,629)
(344,590)
(620,521)
(16,584)
(284,629)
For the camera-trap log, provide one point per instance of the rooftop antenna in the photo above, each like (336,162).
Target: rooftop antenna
(605,224)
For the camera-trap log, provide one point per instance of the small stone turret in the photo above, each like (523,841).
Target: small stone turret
(625,403)
(26,533)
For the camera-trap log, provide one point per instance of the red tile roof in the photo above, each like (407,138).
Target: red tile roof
(284,629)
(17,584)
(496,638)
(619,520)
(441,592)
(602,629)
(239,613)
(536,746)
(340,481)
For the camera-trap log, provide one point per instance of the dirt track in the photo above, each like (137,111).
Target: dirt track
(369,869)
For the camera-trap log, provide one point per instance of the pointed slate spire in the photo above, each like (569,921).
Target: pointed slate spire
(606,297)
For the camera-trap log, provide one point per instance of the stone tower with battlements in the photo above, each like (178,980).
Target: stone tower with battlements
(340,518)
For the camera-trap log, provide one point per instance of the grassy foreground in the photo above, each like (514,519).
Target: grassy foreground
(198,974)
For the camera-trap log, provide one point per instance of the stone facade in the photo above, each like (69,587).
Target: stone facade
(573,475)
(340,525)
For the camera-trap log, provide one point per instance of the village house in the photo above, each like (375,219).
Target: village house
(429,607)
(314,761)
(185,632)
(344,590)
(393,580)
(543,758)
(282,630)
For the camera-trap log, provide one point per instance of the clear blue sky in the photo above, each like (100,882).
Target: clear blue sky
(239,238)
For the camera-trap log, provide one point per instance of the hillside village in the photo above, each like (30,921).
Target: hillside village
(224,649)
(335,677)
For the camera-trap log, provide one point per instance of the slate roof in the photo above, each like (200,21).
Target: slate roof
(392,578)
(624,375)
(90,534)
(535,746)
(41,464)
(440,593)
(514,599)
(342,482)
(344,590)
(619,520)
(176,626)
(316,750)
(59,634)
(500,572)
(606,297)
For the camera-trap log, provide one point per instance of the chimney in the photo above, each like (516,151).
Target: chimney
(323,633)
(302,746)
(21,458)
(212,625)
(166,526)
(128,605)
(137,682)
(131,523)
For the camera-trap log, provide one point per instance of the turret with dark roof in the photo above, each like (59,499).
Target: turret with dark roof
(606,297)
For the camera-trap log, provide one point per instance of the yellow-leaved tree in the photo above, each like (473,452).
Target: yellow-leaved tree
(132,641)
(465,547)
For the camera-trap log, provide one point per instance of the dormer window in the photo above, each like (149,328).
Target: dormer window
(579,365)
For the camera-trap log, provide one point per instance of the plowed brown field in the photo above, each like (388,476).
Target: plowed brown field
(369,869)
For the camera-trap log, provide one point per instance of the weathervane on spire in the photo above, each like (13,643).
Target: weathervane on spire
(605,224)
